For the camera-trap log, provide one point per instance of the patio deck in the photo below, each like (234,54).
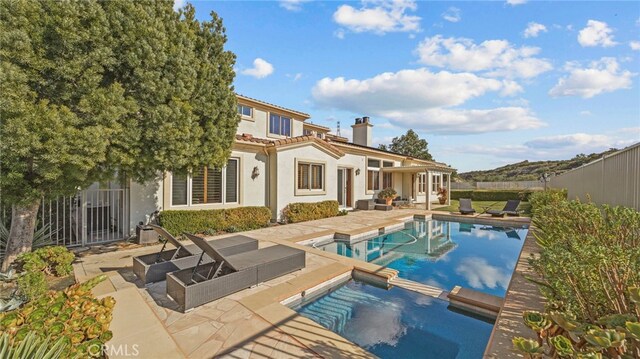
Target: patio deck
(251,323)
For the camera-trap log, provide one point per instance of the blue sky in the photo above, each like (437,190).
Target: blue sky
(486,83)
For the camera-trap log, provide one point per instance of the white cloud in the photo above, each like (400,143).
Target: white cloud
(452,14)
(586,113)
(480,274)
(260,69)
(516,2)
(597,33)
(419,99)
(292,5)
(179,4)
(556,146)
(339,34)
(533,29)
(379,16)
(295,77)
(600,77)
(494,57)
(635,45)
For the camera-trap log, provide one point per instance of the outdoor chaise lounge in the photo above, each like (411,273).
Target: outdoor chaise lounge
(153,267)
(511,208)
(227,274)
(465,206)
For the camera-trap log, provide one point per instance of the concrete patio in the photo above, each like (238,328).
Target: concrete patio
(251,323)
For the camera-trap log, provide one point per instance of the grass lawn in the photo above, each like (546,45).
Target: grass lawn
(524,207)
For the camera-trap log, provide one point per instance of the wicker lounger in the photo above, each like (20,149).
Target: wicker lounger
(227,274)
(510,208)
(154,267)
(465,206)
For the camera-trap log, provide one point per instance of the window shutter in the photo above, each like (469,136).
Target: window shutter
(214,186)
(232,181)
(303,176)
(197,186)
(178,190)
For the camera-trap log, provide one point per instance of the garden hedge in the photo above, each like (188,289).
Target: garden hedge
(492,195)
(210,221)
(301,212)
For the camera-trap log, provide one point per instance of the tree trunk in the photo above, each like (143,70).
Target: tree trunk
(23,222)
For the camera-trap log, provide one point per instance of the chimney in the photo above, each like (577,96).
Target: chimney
(362,131)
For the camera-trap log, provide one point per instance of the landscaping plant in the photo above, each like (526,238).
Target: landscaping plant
(213,221)
(301,212)
(588,270)
(32,347)
(388,194)
(74,316)
(51,260)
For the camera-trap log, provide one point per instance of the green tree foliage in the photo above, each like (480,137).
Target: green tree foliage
(409,144)
(94,88)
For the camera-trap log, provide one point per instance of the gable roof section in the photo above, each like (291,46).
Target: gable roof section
(251,99)
(292,141)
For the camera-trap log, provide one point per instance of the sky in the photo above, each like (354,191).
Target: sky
(486,83)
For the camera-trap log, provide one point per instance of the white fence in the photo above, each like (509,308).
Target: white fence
(497,185)
(613,180)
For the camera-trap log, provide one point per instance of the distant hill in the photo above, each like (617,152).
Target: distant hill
(530,171)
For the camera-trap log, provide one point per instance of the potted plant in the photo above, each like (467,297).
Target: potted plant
(442,195)
(388,194)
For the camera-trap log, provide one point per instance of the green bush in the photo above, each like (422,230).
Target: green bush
(74,314)
(52,260)
(32,284)
(588,270)
(492,195)
(215,220)
(540,199)
(301,212)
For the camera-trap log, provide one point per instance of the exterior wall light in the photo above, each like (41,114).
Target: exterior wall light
(255,173)
(357,172)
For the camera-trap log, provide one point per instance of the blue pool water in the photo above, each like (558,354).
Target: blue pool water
(444,254)
(398,323)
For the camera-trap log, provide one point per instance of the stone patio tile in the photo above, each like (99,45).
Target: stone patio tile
(186,321)
(206,350)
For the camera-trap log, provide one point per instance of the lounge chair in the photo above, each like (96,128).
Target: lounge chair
(227,274)
(511,209)
(154,267)
(465,206)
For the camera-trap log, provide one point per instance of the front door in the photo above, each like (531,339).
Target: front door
(344,187)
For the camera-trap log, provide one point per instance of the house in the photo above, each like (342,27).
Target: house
(278,157)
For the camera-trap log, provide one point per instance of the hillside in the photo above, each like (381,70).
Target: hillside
(529,171)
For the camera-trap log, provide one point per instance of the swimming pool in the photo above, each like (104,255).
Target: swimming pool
(443,254)
(398,323)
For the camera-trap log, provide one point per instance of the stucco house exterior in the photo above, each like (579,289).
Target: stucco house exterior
(278,157)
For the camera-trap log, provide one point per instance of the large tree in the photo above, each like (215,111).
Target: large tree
(94,89)
(409,144)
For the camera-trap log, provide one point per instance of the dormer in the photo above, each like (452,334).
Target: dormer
(265,120)
(315,130)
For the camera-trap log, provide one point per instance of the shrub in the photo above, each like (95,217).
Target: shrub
(301,212)
(589,255)
(32,346)
(387,193)
(492,195)
(73,314)
(540,199)
(215,220)
(32,284)
(589,273)
(52,260)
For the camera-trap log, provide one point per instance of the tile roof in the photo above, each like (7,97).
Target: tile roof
(306,115)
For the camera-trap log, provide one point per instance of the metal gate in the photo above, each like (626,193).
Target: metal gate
(91,217)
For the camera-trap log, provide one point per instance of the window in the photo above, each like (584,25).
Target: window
(373,175)
(422,183)
(387,180)
(207,186)
(310,176)
(245,110)
(279,125)
(435,183)
(179,190)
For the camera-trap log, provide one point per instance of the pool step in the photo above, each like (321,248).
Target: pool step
(477,302)
(417,287)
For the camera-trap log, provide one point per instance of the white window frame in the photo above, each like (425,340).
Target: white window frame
(422,183)
(224,189)
(242,114)
(310,192)
(281,118)
(436,182)
(374,169)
